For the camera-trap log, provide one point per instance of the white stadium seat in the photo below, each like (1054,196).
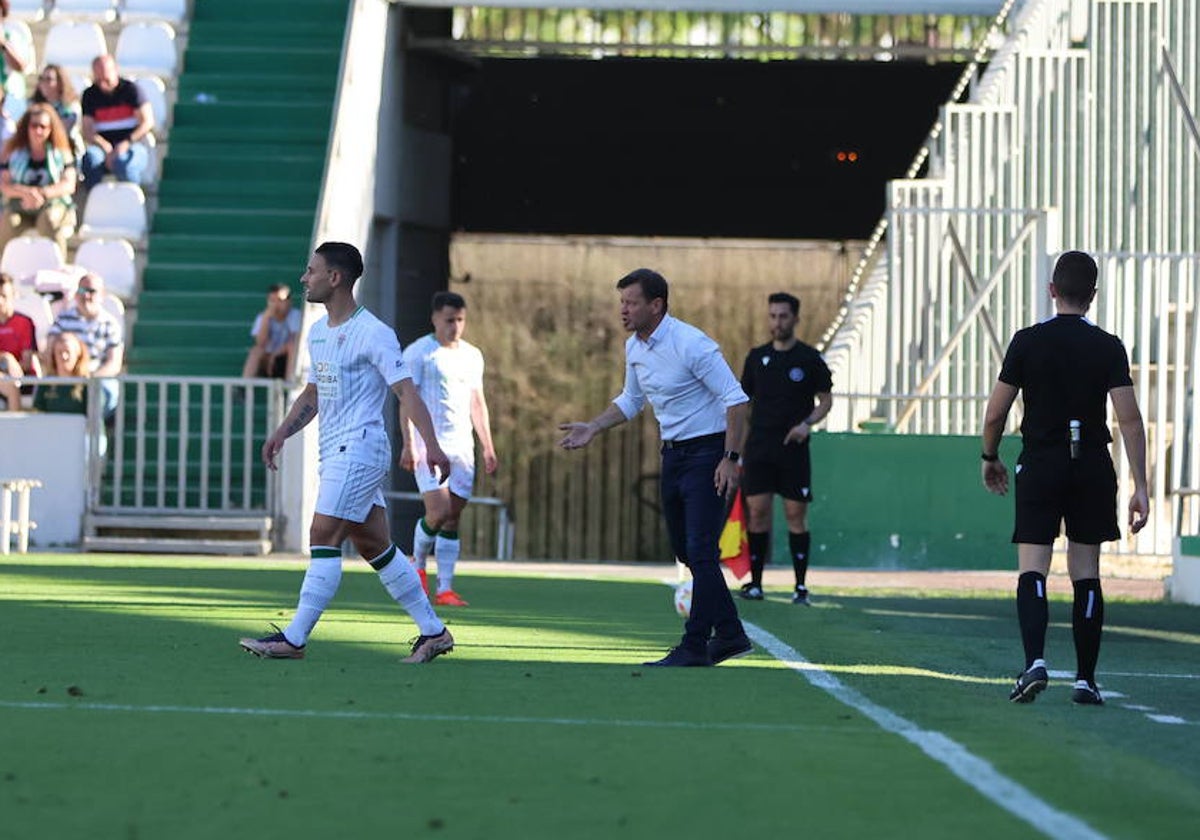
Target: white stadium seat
(113,260)
(172,11)
(115,209)
(74,44)
(155,91)
(101,11)
(24,256)
(147,48)
(27,10)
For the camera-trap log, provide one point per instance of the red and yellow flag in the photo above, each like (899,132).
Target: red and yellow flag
(735,549)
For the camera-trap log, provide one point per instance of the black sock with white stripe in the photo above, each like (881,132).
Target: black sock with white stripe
(1033,614)
(1087,622)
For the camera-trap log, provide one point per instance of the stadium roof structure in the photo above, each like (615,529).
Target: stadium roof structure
(854,7)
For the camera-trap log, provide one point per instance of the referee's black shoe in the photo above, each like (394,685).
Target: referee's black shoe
(1086,694)
(1030,683)
(800,596)
(751,592)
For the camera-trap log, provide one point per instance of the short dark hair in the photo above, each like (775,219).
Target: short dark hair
(4,8)
(452,299)
(1075,277)
(276,288)
(6,279)
(653,284)
(783,297)
(343,257)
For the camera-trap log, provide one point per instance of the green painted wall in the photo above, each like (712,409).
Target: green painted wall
(904,502)
(1189,546)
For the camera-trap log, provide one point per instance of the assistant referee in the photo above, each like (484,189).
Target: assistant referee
(790,387)
(1065,368)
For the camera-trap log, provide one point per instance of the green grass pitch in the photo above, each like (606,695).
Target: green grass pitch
(127,710)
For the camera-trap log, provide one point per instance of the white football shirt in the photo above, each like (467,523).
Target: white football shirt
(354,366)
(446,378)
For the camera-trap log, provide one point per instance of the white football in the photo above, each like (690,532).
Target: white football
(683,599)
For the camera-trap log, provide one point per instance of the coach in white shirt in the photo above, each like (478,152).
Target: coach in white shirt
(701,411)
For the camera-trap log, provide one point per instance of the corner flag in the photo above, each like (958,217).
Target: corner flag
(735,549)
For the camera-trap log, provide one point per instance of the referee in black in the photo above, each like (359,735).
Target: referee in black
(790,387)
(1065,368)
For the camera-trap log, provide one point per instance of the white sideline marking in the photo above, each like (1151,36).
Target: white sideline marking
(979,774)
(1166,719)
(346,714)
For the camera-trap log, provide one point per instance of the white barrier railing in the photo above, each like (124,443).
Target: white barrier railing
(1083,126)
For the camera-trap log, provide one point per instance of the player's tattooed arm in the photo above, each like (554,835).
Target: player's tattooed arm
(303,417)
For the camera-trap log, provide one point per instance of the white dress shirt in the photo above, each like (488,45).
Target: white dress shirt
(681,371)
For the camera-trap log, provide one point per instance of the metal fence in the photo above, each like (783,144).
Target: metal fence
(1080,134)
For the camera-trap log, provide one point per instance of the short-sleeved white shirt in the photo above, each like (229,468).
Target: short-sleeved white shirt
(353,366)
(446,377)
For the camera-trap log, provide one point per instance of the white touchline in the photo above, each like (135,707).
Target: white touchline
(346,714)
(979,774)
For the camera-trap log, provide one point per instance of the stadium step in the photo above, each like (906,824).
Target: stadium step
(237,282)
(230,221)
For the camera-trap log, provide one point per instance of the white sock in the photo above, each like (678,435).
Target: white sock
(320,585)
(423,542)
(448,548)
(400,579)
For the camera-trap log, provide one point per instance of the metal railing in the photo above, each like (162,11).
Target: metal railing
(1075,137)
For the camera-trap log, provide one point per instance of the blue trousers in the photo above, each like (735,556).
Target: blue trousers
(127,167)
(695,515)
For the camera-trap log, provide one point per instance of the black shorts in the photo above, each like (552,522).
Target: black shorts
(1051,488)
(775,468)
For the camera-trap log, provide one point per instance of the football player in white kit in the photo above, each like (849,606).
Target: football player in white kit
(448,373)
(355,359)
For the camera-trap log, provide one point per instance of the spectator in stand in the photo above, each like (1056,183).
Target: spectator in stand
(8,126)
(68,357)
(54,87)
(101,333)
(115,117)
(37,179)
(18,345)
(275,332)
(15,57)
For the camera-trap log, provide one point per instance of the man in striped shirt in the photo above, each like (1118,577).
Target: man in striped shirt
(355,360)
(101,333)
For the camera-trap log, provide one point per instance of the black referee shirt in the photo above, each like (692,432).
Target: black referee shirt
(1065,368)
(782,386)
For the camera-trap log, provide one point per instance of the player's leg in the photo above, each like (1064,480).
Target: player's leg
(447,550)
(759,484)
(796,489)
(399,577)
(1091,519)
(436,496)
(321,581)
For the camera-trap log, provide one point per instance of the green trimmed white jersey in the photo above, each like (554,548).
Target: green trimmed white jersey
(446,377)
(354,365)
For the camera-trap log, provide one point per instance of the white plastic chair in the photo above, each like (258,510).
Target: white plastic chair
(112,259)
(58,281)
(37,308)
(155,91)
(172,11)
(148,48)
(25,255)
(74,45)
(114,210)
(30,11)
(101,11)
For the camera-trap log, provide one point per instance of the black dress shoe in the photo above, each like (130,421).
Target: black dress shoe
(721,649)
(681,657)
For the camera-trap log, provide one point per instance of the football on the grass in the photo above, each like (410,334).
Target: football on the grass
(683,599)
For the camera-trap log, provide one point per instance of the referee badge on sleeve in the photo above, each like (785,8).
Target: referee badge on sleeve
(796,374)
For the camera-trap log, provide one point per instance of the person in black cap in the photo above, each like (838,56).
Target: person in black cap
(790,387)
(1065,368)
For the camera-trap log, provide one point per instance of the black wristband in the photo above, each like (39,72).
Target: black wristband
(732,456)
(989,458)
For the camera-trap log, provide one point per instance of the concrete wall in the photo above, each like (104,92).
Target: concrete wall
(52,448)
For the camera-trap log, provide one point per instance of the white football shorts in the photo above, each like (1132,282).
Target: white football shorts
(348,489)
(462,476)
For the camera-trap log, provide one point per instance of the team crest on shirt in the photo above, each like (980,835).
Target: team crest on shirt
(766,360)
(341,339)
(796,374)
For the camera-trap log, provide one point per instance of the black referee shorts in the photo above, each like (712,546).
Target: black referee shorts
(1051,489)
(775,468)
